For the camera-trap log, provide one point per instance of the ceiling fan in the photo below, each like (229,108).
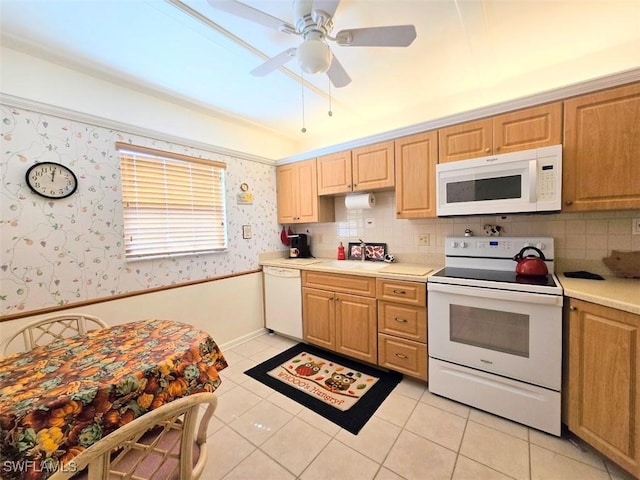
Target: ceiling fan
(313,21)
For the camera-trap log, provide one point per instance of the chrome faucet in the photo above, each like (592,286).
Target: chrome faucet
(363,250)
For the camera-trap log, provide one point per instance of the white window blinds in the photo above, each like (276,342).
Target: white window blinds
(173,204)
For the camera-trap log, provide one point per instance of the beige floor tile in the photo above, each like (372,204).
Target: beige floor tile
(258,466)
(260,422)
(318,421)
(277,341)
(445,404)
(222,461)
(265,354)
(256,387)
(575,449)
(410,388)
(467,469)
(337,461)
(386,474)
(374,440)
(285,403)
(497,450)
(413,457)
(396,409)
(499,423)
(295,445)
(250,347)
(234,403)
(546,464)
(235,371)
(437,425)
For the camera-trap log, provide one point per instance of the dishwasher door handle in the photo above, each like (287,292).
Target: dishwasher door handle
(281,272)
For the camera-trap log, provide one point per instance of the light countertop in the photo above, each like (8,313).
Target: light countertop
(614,292)
(399,271)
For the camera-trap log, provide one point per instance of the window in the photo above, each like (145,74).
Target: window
(173,204)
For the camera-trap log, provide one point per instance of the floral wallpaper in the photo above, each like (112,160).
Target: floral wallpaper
(54,252)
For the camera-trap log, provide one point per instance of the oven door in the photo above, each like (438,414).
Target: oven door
(513,334)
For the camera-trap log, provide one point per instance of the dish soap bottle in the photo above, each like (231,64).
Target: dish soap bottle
(341,254)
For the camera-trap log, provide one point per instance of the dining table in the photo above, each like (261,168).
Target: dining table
(56,400)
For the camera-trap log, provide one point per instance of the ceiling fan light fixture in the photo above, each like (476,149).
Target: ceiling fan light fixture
(314,56)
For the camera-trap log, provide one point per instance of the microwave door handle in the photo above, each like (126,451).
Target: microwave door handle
(533,181)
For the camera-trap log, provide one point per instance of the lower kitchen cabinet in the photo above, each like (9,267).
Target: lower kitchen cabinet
(601,402)
(402,327)
(339,321)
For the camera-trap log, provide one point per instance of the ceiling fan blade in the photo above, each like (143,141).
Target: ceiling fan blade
(274,63)
(241,10)
(393,36)
(337,74)
(329,6)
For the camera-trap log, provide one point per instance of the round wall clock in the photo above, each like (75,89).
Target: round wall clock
(51,180)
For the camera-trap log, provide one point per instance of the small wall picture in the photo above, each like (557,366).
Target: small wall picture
(373,251)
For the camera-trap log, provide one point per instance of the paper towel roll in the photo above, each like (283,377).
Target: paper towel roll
(360,201)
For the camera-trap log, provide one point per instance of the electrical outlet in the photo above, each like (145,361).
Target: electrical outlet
(423,240)
(635,230)
(320,238)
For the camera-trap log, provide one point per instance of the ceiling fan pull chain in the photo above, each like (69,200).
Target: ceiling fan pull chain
(330,110)
(304,128)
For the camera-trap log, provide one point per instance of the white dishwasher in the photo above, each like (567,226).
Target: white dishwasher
(283,300)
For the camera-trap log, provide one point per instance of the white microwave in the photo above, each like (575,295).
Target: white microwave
(525,181)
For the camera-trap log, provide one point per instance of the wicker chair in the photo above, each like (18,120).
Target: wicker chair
(47,330)
(162,445)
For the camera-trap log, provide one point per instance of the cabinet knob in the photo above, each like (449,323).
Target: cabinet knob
(568,202)
(401,320)
(572,308)
(496,148)
(487,150)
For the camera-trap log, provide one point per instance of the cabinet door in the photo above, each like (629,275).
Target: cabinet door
(373,167)
(307,192)
(601,155)
(416,158)
(287,186)
(356,327)
(334,173)
(529,128)
(466,140)
(318,314)
(603,368)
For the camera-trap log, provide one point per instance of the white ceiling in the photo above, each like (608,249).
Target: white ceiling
(468,53)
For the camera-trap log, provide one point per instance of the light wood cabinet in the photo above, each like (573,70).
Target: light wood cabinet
(601,402)
(510,132)
(402,327)
(416,158)
(339,321)
(298,200)
(601,158)
(365,168)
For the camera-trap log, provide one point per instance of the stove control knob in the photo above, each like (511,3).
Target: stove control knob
(454,244)
(540,246)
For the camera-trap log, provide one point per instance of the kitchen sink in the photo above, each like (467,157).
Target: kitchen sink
(355,264)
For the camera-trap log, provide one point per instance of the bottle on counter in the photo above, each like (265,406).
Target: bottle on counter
(341,254)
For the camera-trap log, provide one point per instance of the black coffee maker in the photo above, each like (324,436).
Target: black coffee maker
(299,248)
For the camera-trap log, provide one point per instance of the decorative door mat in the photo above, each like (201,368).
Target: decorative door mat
(342,390)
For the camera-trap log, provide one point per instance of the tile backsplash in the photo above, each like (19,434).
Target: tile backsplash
(581,239)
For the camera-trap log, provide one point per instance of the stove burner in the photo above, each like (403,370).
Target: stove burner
(495,276)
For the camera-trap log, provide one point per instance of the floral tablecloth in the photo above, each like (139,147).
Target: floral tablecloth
(57,400)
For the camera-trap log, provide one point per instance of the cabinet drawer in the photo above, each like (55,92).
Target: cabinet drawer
(365,286)
(413,293)
(403,356)
(404,321)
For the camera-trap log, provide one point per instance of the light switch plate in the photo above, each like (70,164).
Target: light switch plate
(635,229)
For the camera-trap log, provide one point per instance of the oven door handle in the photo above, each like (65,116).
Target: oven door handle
(536,298)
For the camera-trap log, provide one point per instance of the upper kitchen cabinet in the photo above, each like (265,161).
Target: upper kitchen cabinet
(601,159)
(362,169)
(510,132)
(416,158)
(298,200)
